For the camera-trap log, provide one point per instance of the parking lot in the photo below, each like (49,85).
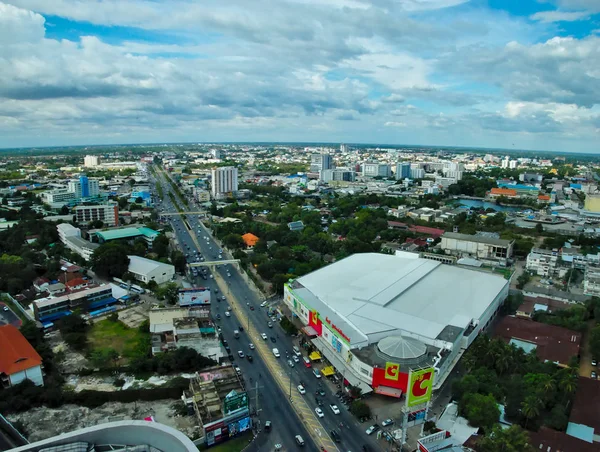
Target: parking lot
(7,317)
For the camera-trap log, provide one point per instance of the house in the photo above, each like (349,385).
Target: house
(296,226)
(550,343)
(250,240)
(584,422)
(56,288)
(77,284)
(41,284)
(18,359)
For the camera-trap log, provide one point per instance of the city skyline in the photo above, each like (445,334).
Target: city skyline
(491,74)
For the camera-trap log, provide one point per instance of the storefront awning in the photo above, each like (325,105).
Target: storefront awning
(315,356)
(328,371)
(309,331)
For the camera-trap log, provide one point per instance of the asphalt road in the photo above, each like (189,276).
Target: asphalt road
(266,368)
(7,317)
(265,394)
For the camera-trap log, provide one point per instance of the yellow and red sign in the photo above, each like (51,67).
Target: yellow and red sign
(392,371)
(420,386)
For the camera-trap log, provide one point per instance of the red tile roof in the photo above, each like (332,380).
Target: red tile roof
(250,239)
(16,354)
(586,406)
(554,343)
(504,191)
(76,282)
(548,440)
(434,232)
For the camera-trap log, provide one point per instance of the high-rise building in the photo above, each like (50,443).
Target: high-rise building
(224,180)
(338,174)
(320,162)
(343,148)
(84,187)
(504,163)
(376,169)
(402,170)
(91,161)
(417,173)
(512,164)
(216,153)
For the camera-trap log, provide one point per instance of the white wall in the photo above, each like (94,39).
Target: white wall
(34,374)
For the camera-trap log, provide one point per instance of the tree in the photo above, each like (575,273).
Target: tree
(360,409)
(110,260)
(595,342)
(512,439)
(539,228)
(64,210)
(481,410)
(160,245)
(168,292)
(531,407)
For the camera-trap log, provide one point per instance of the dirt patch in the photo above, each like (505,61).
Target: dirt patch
(135,316)
(42,423)
(69,361)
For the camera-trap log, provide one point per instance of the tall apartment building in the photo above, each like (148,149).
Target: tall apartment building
(217,153)
(402,170)
(84,187)
(91,161)
(376,169)
(320,162)
(107,213)
(224,180)
(417,173)
(338,174)
(343,148)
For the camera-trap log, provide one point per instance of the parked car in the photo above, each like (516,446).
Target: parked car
(387,422)
(372,428)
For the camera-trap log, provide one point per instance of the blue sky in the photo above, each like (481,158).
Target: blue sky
(518,74)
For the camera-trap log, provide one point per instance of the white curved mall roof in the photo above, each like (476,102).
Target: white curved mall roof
(373,293)
(402,347)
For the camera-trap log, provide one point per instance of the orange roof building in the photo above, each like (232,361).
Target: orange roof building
(250,239)
(18,359)
(509,192)
(544,197)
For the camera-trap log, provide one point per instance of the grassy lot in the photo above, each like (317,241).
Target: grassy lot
(233,445)
(107,334)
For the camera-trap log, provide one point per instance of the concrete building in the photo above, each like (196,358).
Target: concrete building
(369,310)
(320,162)
(591,282)
(58,197)
(146,270)
(84,187)
(18,359)
(584,422)
(480,247)
(337,175)
(127,233)
(376,170)
(343,148)
(224,181)
(417,173)
(402,170)
(107,213)
(542,262)
(592,203)
(91,161)
(185,327)
(48,310)
(116,436)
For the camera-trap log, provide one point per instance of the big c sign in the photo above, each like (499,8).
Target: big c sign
(420,385)
(392,371)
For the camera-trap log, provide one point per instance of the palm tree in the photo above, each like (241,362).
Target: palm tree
(530,408)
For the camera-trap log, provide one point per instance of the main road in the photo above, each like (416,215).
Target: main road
(272,378)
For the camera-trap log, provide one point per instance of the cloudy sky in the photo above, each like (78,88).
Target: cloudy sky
(517,74)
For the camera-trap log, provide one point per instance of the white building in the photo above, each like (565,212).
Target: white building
(337,175)
(542,262)
(146,270)
(107,213)
(417,173)
(224,181)
(18,359)
(370,310)
(343,148)
(376,169)
(91,161)
(84,187)
(70,236)
(60,196)
(320,162)
(479,247)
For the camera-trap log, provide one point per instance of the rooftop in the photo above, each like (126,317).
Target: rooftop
(16,354)
(124,233)
(373,293)
(586,406)
(548,440)
(476,239)
(553,343)
(141,266)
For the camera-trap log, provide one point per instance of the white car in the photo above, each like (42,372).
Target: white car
(270,325)
(227,314)
(276,353)
(263,304)
(319,412)
(335,409)
(301,389)
(317,373)
(264,336)
(371,429)
(296,359)
(251,345)
(238,370)
(387,422)
(240,353)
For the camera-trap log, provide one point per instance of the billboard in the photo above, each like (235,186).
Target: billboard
(420,384)
(234,401)
(392,371)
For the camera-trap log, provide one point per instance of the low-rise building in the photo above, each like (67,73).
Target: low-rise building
(584,422)
(550,343)
(542,262)
(107,213)
(185,327)
(480,247)
(146,270)
(147,234)
(18,359)
(58,197)
(47,310)
(70,236)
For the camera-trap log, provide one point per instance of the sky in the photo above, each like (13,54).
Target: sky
(514,74)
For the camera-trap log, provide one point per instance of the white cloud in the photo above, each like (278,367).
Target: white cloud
(560,16)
